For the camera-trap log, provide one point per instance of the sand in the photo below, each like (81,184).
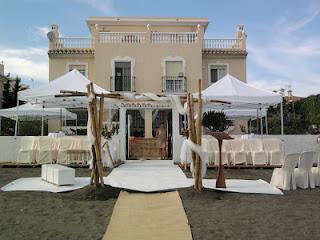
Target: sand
(82,214)
(216,215)
(85,213)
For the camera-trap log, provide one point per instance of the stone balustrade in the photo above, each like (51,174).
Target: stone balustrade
(136,38)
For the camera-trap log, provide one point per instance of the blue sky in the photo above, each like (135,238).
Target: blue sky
(283,36)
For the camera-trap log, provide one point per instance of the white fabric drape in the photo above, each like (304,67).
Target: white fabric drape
(141,113)
(154,114)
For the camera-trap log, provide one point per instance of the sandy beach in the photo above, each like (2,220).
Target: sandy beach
(85,213)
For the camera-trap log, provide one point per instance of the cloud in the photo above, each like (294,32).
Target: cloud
(295,26)
(39,33)
(27,63)
(289,58)
(104,6)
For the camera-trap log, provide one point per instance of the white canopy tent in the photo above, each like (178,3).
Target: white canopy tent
(244,100)
(46,95)
(36,110)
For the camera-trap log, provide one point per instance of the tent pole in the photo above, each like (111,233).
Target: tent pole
(0,124)
(250,122)
(266,118)
(60,119)
(17,118)
(261,123)
(65,119)
(42,120)
(257,122)
(281,116)
(77,125)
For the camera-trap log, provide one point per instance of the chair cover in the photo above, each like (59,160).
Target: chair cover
(87,147)
(26,152)
(237,153)
(44,152)
(303,174)
(186,153)
(210,146)
(256,152)
(284,177)
(316,172)
(64,145)
(273,148)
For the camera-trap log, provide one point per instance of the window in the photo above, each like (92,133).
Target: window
(174,78)
(217,72)
(122,78)
(183,124)
(82,117)
(82,68)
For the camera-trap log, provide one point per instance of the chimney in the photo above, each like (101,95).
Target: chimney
(53,35)
(2,68)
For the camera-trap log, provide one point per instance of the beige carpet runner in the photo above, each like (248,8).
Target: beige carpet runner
(152,216)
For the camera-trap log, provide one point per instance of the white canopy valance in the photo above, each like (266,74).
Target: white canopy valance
(36,110)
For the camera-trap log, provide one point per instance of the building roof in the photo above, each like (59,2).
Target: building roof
(91,21)
(293,98)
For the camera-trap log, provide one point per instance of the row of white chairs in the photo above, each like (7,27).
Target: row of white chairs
(42,150)
(244,151)
(289,176)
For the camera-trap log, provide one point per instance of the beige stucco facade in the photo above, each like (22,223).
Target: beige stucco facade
(157,55)
(147,43)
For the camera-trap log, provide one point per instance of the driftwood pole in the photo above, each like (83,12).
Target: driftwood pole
(97,168)
(192,133)
(220,182)
(198,177)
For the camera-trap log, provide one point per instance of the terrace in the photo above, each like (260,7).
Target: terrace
(138,38)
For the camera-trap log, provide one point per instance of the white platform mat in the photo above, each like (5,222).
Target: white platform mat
(37,184)
(148,176)
(243,186)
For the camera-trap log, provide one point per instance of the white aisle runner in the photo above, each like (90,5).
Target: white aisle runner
(148,176)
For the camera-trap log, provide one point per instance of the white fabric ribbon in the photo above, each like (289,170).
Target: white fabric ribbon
(203,156)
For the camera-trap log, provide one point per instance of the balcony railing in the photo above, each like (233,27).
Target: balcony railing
(223,44)
(174,37)
(122,37)
(73,43)
(142,38)
(122,83)
(174,84)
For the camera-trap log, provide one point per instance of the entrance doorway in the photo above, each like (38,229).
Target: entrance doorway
(140,143)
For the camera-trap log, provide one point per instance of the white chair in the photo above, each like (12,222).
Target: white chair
(185,154)
(316,172)
(303,174)
(116,146)
(55,148)
(210,146)
(273,148)
(27,150)
(255,150)
(44,153)
(87,148)
(64,145)
(238,154)
(284,177)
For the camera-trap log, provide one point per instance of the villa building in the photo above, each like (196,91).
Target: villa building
(157,55)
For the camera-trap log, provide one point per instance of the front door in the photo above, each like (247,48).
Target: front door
(138,145)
